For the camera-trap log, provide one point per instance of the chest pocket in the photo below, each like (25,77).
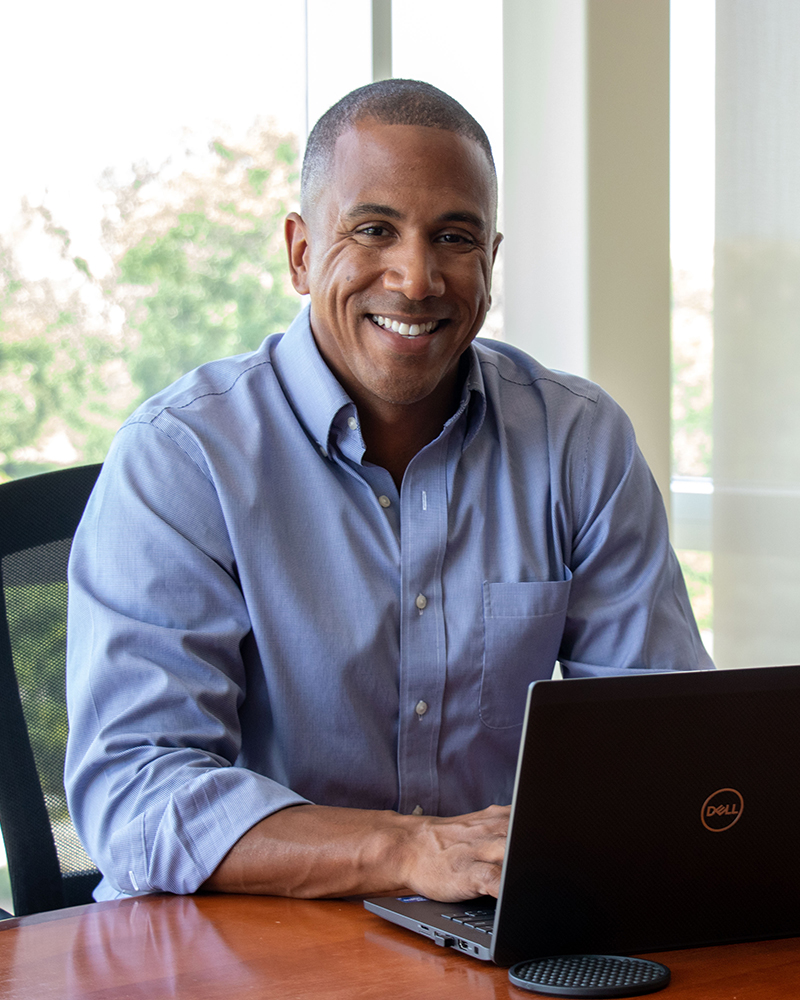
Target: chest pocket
(522,628)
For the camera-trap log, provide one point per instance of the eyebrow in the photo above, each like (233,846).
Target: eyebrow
(469,217)
(368,208)
(372,208)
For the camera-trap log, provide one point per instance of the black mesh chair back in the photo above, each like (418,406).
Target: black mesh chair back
(47,865)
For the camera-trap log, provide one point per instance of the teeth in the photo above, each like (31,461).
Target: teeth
(405,329)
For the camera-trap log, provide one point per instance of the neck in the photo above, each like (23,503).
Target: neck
(394,434)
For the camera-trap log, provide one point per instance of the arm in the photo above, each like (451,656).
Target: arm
(628,601)
(159,635)
(155,675)
(318,851)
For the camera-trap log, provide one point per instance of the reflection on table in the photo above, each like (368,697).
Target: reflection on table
(209,947)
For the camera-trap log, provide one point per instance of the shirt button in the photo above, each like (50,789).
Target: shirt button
(421,708)
(421,602)
(384,501)
(417,811)
(352,423)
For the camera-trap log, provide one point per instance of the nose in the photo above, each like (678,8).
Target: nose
(413,270)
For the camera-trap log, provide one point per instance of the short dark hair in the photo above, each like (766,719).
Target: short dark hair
(390,102)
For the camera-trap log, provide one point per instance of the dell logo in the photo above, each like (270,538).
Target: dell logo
(722,809)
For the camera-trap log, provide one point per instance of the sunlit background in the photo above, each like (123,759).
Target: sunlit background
(150,155)
(151,152)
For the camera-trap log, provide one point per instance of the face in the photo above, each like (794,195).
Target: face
(396,255)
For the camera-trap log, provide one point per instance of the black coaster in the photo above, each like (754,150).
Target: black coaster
(590,976)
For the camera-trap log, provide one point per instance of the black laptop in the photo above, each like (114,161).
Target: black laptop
(650,812)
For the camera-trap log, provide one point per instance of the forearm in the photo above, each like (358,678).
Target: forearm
(317,851)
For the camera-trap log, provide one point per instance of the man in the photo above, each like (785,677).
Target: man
(313,582)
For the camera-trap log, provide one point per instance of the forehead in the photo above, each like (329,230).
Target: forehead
(394,164)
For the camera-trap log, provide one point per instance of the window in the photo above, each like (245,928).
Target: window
(155,153)
(692,162)
(149,144)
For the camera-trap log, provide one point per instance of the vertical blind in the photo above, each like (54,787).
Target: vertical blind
(756,465)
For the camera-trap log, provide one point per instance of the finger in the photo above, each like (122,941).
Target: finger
(492,851)
(479,880)
(490,880)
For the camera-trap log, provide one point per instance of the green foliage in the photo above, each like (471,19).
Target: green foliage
(692,419)
(699,576)
(222,150)
(286,154)
(53,361)
(258,179)
(37,625)
(692,364)
(37,622)
(199,272)
(209,298)
(208,277)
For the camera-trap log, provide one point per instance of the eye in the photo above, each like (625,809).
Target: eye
(456,239)
(373,230)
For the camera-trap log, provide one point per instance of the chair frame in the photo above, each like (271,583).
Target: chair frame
(29,518)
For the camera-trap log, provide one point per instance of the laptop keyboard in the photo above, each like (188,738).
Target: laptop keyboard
(481,918)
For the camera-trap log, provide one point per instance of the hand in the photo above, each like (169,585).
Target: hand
(458,857)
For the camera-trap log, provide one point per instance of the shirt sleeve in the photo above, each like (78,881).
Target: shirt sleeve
(156,674)
(628,607)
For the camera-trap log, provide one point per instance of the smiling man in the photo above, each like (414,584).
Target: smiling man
(314,582)
(396,252)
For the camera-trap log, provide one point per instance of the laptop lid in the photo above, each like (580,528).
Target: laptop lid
(652,811)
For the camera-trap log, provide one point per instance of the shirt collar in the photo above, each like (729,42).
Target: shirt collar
(473,396)
(318,399)
(310,386)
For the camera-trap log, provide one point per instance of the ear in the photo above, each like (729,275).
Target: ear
(297,247)
(498,239)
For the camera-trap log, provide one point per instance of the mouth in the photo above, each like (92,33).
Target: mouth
(407,330)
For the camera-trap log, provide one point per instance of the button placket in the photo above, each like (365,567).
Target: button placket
(423,644)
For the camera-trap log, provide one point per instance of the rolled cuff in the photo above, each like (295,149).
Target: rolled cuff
(571,668)
(176,848)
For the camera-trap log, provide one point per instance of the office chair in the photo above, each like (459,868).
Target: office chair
(47,864)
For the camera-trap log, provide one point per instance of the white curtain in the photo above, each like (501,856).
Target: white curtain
(756,533)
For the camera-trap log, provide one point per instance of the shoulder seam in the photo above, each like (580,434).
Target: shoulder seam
(176,443)
(142,419)
(539,378)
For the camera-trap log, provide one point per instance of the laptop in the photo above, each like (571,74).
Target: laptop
(650,812)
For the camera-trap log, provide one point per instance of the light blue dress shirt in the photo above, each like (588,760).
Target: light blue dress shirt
(259,618)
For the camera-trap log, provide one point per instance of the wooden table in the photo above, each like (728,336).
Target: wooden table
(232,947)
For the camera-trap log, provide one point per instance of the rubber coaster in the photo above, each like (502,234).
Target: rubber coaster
(590,976)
